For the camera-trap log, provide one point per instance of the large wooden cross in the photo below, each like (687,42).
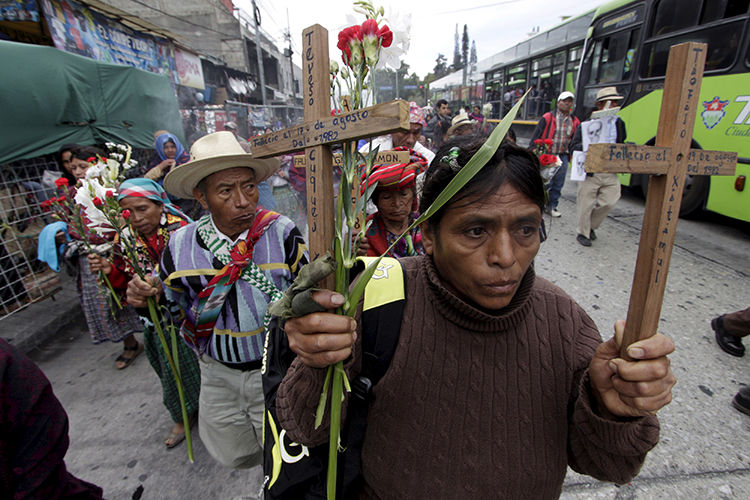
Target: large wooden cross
(668,162)
(320,130)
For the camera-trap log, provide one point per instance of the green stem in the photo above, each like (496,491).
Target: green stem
(337,394)
(111,289)
(156,319)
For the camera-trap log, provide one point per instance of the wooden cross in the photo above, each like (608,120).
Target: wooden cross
(321,130)
(668,162)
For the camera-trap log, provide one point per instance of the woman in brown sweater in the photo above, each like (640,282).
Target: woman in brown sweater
(500,380)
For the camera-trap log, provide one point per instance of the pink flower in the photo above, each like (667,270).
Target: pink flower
(126,214)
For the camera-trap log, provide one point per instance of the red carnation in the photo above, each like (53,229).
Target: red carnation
(109,194)
(97,202)
(538,141)
(62,199)
(91,159)
(548,142)
(347,36)
(126,214)
(547,160)
(53,200)
(62,181)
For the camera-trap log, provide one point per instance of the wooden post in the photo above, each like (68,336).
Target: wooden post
(671,159)
(319,131)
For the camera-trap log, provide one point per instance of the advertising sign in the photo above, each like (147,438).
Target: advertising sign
(189,69)
(77,29)
(17,10)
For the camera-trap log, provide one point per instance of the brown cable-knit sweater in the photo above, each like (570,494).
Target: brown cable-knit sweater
(477,405)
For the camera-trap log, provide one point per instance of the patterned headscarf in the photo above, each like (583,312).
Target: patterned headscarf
(416,115)
(397,176)
(146,188)
(162,139)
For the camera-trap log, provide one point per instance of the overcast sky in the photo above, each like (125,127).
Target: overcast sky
(494,26)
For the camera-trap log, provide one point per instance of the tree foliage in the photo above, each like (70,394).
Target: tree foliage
(457,61)
(441,66)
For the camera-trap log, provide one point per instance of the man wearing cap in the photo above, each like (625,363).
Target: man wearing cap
(599,192)
(232,127)
(560,126)
(218,276)
(408,139)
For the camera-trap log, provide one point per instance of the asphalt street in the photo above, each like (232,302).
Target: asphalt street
(118,423)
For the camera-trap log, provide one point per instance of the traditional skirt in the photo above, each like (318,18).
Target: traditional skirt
(189,370)
(103,325)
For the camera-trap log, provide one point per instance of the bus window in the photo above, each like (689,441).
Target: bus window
(676,15)
(723,42)
(593,55)
(715,10)
(613,57)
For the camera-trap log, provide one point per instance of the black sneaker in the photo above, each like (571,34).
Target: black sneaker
(592,235)
(742,400)
(583,240)
(728,342)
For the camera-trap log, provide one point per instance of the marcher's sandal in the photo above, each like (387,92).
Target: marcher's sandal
(128,361)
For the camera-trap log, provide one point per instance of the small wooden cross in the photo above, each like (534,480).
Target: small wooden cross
(321,130)
(668,162)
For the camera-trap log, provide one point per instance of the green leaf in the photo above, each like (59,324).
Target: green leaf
(323,397)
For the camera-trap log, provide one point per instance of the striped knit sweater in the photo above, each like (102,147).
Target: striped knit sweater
(238,334)
(477,405)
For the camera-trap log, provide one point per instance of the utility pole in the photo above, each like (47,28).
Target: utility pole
(256,17)
(288,36)
(291,64)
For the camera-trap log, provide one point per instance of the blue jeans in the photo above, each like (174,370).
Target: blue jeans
(556,184)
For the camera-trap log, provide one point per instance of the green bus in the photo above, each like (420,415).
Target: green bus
(627,47)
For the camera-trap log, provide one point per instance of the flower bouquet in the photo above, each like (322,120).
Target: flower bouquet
(363,48)
(96,195)
(550,163)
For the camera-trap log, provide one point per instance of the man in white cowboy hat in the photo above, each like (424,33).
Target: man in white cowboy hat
(218,276)
(461,125)
(599,192)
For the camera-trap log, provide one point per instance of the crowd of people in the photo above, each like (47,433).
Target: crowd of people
(218,253)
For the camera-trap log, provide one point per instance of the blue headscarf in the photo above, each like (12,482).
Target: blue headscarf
(163,138)
(146,188)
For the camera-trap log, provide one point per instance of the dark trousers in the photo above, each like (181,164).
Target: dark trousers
(738,323)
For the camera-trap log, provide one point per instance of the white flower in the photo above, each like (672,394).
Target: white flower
(400,25)
(85,198)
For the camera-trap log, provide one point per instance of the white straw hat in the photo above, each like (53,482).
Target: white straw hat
(210,154)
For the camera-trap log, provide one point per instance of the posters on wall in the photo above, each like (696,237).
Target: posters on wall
(19,10)
(189,69)
(77,29)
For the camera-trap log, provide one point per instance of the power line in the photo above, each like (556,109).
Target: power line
(183,20)
(471,8)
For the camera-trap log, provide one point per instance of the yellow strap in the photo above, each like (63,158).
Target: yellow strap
(238,334)
(275,451)
(386,284)
(190,272)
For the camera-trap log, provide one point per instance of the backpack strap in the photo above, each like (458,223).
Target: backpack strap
(382,311)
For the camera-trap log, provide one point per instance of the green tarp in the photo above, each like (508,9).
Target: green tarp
(49,98)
